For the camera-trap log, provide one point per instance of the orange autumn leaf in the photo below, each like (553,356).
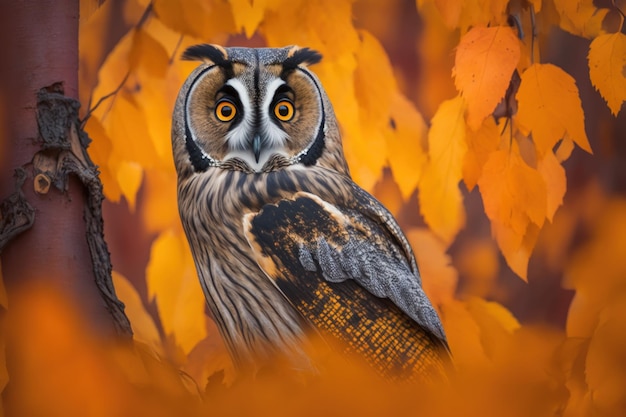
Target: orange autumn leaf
(374,103)
(148,54)
(564,149)
(597,269)
(554,176)
(485,60)
(550,107)
(512,192)
(172,282)
(450,11)
(248,14)
(129,176)
(155,73)
(607,68)
(597,313)
(515,198)
(439,277)
(435,50)
(515,247)
(463,335)
(479,264)
(144,328)
(209,20)
(405,141)
(580,17)
(607,348)
(480,144)
(100,151)
(495,320)
(160,211)
(441,202)
(388,193)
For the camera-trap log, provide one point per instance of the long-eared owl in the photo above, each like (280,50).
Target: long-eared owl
(285,243)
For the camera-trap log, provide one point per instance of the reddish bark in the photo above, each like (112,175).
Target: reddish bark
(41,49)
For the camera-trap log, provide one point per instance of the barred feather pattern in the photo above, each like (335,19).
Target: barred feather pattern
(254,319)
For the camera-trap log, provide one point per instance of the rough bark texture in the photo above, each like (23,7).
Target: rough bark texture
(51,226)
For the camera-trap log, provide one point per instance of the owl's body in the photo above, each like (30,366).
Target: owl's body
(284,242)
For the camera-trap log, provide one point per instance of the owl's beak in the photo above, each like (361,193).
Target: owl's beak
(256,147)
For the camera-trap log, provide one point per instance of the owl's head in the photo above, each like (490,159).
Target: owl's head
(254,110)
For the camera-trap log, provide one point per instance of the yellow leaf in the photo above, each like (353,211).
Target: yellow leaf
(495,321)
(388,193)
(549,107)
(478,262)
(516,247)
(112,73)
(564,149)
(159,208)
(439,277)
(100,150)
(464,337)
(405,140)
(127,127)
(480,144)
(483,13)
(374,100)
(434,84)
(148,55)
(512,192)
(485,61)
(515,200)
(248,14)
(144,329)
(172,282)
(446,138)
(440,199)
(597,269)
(607,68)
(129,176)
(209,20)
(607,348)
(450,11)
(554,175)
(209,357)
(496,311)
(580,17)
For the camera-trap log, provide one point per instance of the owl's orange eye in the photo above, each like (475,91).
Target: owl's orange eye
(284,110)
(225,111)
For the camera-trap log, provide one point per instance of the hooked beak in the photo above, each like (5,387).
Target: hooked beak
(256,147)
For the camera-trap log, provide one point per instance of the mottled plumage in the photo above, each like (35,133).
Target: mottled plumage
(284,242)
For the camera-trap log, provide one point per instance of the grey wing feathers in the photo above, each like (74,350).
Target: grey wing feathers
(370,258)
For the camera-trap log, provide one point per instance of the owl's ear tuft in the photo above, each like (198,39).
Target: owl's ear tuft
(211,54)
(301,56)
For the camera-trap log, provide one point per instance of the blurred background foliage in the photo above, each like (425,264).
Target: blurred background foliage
(529,278)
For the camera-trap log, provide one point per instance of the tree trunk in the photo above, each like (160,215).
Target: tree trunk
(55,198)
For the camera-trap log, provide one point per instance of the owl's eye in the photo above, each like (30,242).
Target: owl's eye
(284,110)
(225,110)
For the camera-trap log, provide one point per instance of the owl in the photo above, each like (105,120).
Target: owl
(285,244)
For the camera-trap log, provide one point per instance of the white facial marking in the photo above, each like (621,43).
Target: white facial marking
(239,136)
(273,136)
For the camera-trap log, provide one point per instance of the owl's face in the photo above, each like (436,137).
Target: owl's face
(251,109)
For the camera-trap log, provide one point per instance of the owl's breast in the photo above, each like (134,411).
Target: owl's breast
(253,317)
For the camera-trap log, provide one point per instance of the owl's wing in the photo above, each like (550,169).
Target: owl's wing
(347,275)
